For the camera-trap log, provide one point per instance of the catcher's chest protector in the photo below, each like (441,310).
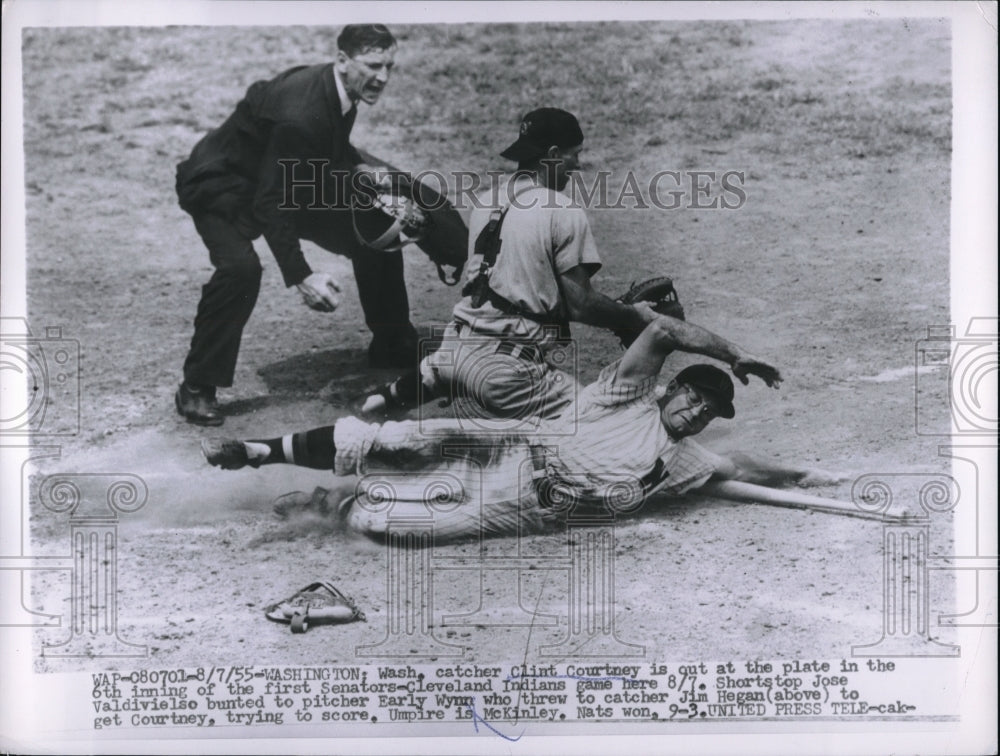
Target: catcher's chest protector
(488,246)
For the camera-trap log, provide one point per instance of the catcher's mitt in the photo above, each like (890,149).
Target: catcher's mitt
(660,294)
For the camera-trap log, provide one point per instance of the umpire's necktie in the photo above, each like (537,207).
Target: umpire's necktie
(349,117)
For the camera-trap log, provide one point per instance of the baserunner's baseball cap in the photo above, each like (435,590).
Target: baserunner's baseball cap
(541,129)
(715,385)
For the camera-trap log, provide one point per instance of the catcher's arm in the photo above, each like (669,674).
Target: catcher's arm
(645,356)
(657,294)
(587,305)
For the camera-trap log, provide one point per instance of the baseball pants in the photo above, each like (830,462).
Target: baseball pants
(229,297)
(500,380)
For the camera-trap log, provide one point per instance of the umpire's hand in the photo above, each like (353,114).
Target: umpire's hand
(319,291)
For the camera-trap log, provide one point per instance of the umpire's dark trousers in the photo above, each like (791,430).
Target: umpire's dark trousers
(228,299)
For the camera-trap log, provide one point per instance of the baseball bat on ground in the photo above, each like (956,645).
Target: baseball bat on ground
(735,490)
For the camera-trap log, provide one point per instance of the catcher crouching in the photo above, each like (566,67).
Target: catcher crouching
(626,439)
(531,258)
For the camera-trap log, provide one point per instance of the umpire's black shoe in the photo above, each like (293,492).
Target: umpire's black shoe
(227,453)
(197,405)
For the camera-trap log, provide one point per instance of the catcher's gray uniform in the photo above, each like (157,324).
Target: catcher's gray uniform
(619,453)
(507,363)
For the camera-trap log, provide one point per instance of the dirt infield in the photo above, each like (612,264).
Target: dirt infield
(833,268)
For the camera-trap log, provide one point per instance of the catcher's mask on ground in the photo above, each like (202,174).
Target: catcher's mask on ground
(696,396)
(387,222)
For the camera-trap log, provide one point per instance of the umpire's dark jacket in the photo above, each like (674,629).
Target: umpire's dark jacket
(235,169)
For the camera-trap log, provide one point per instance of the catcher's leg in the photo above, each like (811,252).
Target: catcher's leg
(509,387)
(398,396)
(412,388)
(313,448)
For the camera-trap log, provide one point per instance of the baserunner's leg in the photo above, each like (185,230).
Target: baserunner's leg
(313,448)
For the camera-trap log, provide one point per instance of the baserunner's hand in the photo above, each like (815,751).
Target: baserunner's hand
(814,477)
(747,365)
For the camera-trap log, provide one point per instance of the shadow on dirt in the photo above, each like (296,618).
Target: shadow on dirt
(662,507)
(336,376)
(250,405)
(312,371)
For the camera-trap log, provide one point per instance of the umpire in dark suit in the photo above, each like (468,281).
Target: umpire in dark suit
(282,166)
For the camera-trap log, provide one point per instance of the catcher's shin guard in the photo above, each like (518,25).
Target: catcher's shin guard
(398,396)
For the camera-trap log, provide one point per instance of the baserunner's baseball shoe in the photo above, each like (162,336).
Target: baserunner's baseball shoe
(227,453)
(298,502)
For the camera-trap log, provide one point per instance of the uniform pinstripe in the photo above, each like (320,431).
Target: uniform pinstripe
(618,437)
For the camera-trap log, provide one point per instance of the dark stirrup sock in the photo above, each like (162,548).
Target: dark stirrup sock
(403,392)
(313,448)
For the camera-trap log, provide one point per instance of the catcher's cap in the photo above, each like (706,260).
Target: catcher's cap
(541,129)
(715,384)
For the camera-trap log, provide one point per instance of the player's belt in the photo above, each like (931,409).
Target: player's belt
(555,493)
(522,350)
